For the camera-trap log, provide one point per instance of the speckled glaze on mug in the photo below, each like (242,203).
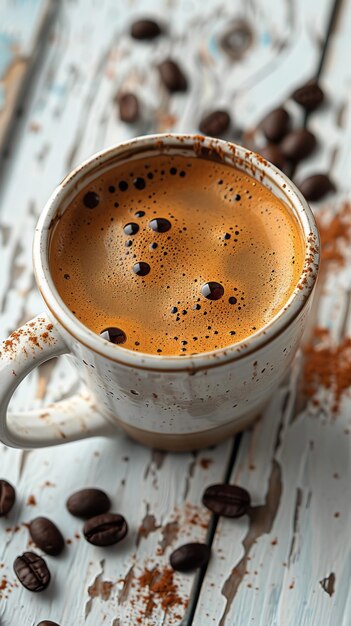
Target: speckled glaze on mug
(172,403)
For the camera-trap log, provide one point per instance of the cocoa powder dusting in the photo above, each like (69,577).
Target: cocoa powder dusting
(327,364)
(157,588)
(335,233)
(31,501)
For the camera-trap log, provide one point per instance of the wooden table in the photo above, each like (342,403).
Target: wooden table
(289,562)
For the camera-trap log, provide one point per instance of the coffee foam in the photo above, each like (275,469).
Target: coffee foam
(214,224)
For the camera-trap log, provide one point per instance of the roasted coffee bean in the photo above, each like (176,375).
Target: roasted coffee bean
(226,500)
(145,29)
(32,571)
(298,144)
(316,186)
(88,503)
(128,105)
(7,497)
(309,96)
(46,536)
(190,557)
(105,530)
(172,76)
(275,124)
(215,124)
(273,153)
(47,622)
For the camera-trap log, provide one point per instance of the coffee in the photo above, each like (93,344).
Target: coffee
(175,255)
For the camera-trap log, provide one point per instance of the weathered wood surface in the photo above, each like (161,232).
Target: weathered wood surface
(22,27)
(72,113)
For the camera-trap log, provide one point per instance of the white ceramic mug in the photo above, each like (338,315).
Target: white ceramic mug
(163,401)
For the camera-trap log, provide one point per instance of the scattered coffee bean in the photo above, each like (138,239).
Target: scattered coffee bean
(32,571)
(128,105)
(105,530)
(7,497)
(88,503)
(113,335)
(316,186)
(275,124)
(298,144)
(46,536)
(172,76)
(273,153)
(47,622)
(145,29)
(212,290)
(190,556)
(91,200)
(227,500)
(309,96)
(215,124)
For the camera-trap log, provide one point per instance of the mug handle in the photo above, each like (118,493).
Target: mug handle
(75,418)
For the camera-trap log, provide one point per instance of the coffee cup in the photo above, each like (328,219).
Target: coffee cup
(167,402)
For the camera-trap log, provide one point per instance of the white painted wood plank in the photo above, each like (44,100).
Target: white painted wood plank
(72,114)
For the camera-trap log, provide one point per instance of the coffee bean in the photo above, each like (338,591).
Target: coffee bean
(32,571)
(190,556)
(172,76)
(309,96)
(226,500)
(212,290)
(141,268)
(7,497)
(298,144)
(116,336)
(275,124)
(47,622)
(105,530)
(128,108)
(46,535)
(91,200)
(88,503)
(160,225)
(215,123)
(145,29)
(273,153)
(316,186)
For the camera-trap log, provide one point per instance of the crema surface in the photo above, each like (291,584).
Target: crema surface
(174,255)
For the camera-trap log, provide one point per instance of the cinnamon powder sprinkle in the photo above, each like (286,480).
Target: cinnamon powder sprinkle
(327,365)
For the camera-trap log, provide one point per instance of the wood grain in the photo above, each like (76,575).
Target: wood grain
(72,113)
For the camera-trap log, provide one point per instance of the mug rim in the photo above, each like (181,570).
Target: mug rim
(229,153)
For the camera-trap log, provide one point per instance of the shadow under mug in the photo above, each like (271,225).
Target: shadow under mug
(168,402)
